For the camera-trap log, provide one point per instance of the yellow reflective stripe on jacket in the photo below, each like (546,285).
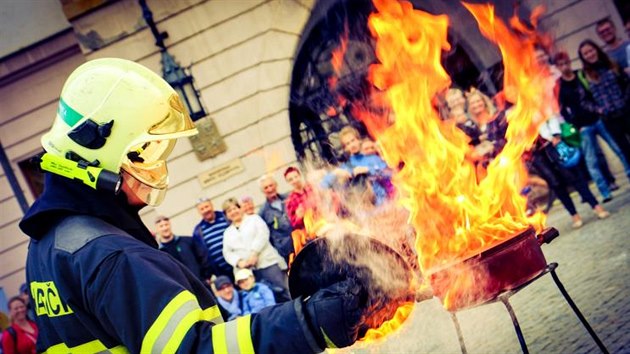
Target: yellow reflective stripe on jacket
(212,314)
(175,320)
(94,346)
(233,337)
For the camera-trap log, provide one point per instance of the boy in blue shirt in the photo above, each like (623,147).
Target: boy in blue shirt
(371,166)
(254,296)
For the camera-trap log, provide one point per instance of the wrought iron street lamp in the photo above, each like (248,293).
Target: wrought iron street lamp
(178,77)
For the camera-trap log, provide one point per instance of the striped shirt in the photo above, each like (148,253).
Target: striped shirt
(211,235)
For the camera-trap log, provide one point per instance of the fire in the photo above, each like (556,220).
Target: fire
(339,53)
(388,327)
(337,60)
(454,214)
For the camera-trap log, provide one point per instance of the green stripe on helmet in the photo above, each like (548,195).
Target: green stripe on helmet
(68,114)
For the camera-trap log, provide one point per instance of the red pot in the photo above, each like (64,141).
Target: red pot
(483,277)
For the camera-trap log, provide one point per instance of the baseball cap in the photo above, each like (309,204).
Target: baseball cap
(221,281)
(243,274)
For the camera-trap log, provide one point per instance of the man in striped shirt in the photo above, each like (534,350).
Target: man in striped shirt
(210,232)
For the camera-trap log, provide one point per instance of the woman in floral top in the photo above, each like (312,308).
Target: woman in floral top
(609,86)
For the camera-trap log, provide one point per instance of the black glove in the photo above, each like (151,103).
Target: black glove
(335,314)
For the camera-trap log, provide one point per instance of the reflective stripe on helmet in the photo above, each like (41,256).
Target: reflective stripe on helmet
(68,114)
(94,346)
(175,320)
(233,337)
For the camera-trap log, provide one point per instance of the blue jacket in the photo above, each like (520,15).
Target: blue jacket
(233,307)
(98,282)
(257,298)
(379,173)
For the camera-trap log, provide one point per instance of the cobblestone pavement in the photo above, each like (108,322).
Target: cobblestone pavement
(594,266)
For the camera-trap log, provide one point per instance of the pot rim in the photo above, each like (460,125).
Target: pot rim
(486,252)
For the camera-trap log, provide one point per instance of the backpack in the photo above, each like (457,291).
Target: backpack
(13,334)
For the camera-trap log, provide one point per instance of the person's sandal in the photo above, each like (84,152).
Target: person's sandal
(602,214)
(577,224)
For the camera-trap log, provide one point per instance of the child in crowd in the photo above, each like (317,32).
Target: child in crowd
(368,147)
(255,296)
(228,297)
(371,166)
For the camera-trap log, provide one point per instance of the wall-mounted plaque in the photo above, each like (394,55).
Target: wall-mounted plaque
(220,173)
(208,143)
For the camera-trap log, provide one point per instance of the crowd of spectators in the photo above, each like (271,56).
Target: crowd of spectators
(586,103)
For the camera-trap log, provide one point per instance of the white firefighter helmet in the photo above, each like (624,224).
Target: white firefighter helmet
(117,114)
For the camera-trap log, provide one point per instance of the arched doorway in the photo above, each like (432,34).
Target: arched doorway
(322,94)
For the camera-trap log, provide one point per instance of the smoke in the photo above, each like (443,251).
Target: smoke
(373,245)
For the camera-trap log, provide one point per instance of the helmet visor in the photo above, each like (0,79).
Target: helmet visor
(147,194)
(176,121)
(147,162)
(153,174)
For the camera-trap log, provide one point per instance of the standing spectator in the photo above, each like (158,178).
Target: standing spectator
(246,246)
(456,104)
(616,48)
(371,166)
(21,337)
(611,91)
(247,204)
(304,198)
(481,111)
(300,199)
(228,297)
(368,147)
(546,160)
(190,251)
(255,296)
(210,232)
(274,213)
(579,108)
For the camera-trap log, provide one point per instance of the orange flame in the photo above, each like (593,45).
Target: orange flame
(339,53)
(455,215)
(388,327)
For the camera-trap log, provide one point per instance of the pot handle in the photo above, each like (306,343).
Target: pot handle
(547,235)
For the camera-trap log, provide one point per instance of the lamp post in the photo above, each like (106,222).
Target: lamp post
(178,77)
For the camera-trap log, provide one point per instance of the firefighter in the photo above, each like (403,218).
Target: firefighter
(98,283)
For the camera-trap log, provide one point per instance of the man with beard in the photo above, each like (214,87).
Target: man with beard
(616,48)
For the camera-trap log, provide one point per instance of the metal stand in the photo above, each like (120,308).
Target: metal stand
(459,333)
(504,298)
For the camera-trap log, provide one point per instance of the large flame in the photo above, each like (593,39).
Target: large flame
(337,58)
(454,214)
